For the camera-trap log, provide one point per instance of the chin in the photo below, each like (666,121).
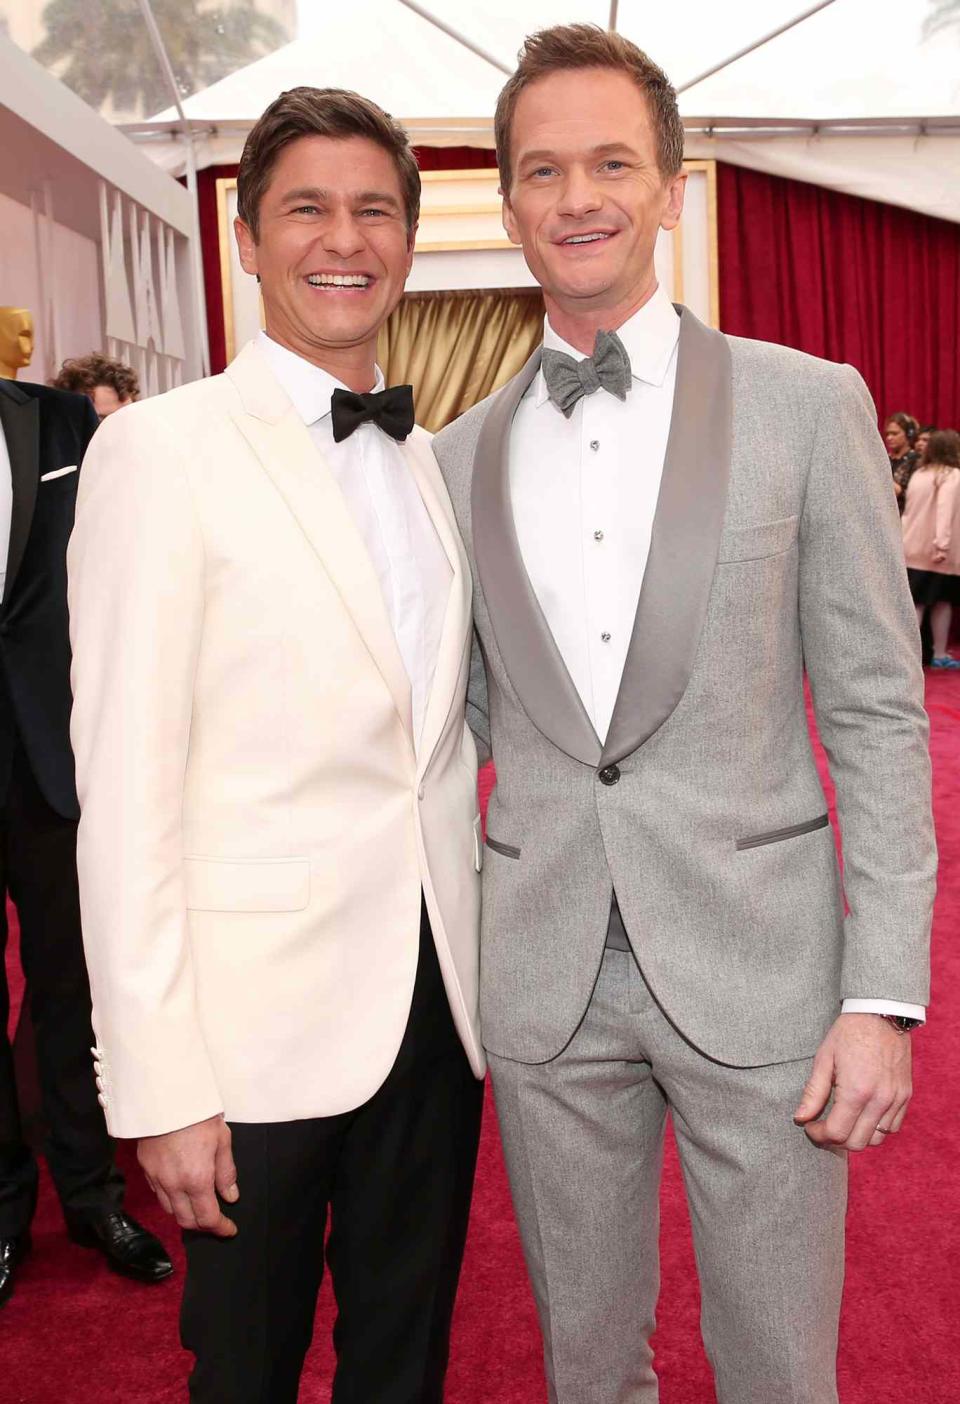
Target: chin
(581,282)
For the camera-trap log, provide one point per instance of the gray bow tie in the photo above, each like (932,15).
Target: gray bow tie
(567,380)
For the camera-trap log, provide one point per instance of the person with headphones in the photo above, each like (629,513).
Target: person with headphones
(900,436)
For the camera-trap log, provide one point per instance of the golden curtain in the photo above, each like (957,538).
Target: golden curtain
(454,348)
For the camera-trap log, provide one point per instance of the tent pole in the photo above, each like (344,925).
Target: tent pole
(454,34)
(166,68)
(757,44)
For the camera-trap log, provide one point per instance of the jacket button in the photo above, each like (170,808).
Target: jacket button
(609,775)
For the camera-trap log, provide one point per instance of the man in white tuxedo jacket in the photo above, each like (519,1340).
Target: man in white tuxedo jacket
(279,844)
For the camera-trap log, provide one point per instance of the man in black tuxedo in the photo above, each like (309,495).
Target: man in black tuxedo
(43,436)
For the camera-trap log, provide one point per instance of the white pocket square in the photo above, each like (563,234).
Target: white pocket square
(58,473)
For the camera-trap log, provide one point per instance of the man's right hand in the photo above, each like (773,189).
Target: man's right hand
(187,1170)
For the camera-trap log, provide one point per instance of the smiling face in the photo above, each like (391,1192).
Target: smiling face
(333,250)
(588,198)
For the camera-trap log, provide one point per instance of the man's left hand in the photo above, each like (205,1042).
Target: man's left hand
(866,1064)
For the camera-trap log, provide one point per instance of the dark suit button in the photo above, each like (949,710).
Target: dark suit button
(609,775)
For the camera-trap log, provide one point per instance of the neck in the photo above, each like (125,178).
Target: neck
(7,372)
(354,366)
(578,323)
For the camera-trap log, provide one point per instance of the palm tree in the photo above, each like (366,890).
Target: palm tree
(944,14)
(102,51)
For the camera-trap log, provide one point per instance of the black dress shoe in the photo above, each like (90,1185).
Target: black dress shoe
(127,1246)
(12,1253)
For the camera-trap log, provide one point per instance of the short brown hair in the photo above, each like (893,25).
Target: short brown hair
(943,447)
(328,112)
(83,374)
(573,46)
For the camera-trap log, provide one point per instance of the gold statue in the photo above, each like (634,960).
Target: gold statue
(16,340)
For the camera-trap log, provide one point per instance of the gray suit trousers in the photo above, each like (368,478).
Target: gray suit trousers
(583,1136)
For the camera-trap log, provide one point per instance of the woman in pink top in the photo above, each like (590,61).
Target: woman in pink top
(931,538)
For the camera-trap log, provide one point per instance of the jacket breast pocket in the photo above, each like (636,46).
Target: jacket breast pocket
(247,884)
(755,543)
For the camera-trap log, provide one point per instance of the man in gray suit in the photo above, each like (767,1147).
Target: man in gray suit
(667,524)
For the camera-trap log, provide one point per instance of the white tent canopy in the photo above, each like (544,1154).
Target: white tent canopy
(97,243)
(855,97)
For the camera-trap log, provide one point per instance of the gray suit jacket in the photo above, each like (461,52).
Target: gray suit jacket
(776,545)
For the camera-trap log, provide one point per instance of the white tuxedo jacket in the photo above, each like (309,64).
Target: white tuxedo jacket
(256,827)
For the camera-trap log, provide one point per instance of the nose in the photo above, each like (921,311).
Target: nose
(342,235)
(579,196)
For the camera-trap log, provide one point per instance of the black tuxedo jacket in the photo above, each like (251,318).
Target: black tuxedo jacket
(45,430)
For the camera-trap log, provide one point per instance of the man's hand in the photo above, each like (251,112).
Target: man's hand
(866,1064)
(187,1169)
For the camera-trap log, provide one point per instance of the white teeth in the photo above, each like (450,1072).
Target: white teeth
(338,280)
(584,238)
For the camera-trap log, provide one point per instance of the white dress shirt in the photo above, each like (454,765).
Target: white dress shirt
(6,508)
(584,492)
(386,506)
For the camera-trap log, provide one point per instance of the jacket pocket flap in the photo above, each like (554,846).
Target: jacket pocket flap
(754,543)
(247,884)
(809,826)
(507,850)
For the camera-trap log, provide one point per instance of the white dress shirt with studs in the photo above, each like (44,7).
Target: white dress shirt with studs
(584,492)
(388,511)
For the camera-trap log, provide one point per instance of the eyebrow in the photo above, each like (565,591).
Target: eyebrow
(318,194)
(606,149)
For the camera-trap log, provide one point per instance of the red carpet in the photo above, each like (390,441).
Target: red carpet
(74,1334)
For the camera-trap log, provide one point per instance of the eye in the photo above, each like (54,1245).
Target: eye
(541,171)
(306,209)
(615,165)
(374,211)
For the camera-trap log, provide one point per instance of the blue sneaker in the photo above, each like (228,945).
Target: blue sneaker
(946,662)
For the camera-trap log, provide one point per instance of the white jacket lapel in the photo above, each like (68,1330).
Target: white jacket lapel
(281,442)
(454,639)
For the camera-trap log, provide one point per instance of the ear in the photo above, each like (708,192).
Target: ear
(675,189)
(510,220)
(411,246)
(246,246)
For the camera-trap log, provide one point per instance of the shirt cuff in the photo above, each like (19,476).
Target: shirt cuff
(884,1006)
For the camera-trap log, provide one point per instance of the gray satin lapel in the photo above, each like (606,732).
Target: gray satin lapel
(685,542)
(527,647)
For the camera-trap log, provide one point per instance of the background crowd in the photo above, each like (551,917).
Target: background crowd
(925,463)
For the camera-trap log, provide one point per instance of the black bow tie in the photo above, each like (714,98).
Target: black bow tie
(391,410)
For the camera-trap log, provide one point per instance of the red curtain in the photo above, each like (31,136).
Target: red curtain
(848,279)
(435,158)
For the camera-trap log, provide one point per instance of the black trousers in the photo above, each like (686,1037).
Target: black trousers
(396,1176)
(38,867)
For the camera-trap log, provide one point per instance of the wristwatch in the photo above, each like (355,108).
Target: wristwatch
(901,1023)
